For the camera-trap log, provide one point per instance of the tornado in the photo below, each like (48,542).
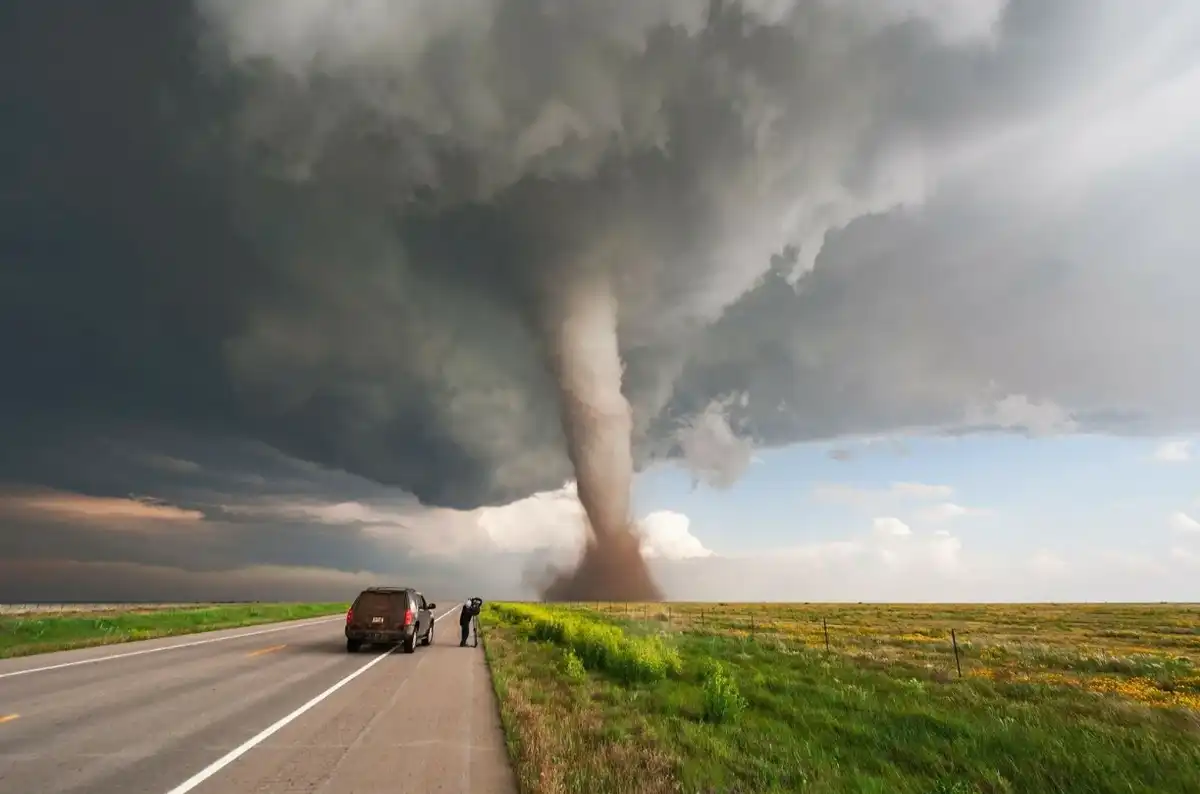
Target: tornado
(597,422)
(437,212)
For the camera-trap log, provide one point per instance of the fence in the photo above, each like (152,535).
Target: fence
(1160,642)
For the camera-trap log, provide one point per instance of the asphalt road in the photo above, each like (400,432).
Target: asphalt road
(280,708)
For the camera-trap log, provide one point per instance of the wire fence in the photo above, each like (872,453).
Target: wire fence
(1159,643)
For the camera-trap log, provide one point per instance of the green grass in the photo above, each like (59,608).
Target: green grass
(596,645)
(23,635)
(763,714)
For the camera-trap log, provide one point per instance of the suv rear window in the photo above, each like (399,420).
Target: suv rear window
(373,601)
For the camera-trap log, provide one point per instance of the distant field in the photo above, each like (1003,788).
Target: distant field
(61,609)
(745,698)
(28,632)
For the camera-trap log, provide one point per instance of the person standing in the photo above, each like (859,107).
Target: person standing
(468,612)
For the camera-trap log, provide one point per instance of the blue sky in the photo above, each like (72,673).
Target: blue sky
(1065,494)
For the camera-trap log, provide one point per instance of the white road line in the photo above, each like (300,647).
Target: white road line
(193,644)
(248,745)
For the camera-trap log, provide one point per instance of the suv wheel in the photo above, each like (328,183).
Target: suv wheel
(428,639)
(410,643)
(352,646)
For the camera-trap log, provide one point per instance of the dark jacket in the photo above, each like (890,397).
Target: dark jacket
(470,609)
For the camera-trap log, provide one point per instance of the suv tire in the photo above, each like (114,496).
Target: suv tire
(428,638)
(352,646)
(410,643)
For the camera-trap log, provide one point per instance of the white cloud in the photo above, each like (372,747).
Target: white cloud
(890,526)
(414,528)
(667,534)
(550,521)
(945,551)
(429,532)
(554,520)
(1182,522)
(547,520)
(1173,452)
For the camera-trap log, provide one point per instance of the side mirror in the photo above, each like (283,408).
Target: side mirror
(431,605)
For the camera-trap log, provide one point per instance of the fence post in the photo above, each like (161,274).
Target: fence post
(825,626)
(954,642)
(668,618)
(752,625)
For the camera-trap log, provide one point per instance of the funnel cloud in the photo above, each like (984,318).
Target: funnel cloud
(597,423)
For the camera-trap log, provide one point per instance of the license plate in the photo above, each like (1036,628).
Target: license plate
(376,620)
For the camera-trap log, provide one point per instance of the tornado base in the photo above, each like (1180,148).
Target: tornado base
(612,569)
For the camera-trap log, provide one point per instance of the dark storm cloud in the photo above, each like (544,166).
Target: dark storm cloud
(307,533)
(208,544)
(216,246)
(59,545)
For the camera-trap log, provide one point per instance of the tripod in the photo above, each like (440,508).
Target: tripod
(474,631)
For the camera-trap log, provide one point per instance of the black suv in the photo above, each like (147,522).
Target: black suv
(387,616)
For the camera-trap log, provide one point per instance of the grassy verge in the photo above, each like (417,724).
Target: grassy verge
(739,714)
(23,635)
(556,718)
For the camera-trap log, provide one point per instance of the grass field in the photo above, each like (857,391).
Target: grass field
(29,633)
(745,698)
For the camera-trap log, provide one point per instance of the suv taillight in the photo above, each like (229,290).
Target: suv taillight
(408,619)
(349,615)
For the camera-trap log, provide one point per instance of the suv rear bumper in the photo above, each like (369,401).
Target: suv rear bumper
(380,635)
